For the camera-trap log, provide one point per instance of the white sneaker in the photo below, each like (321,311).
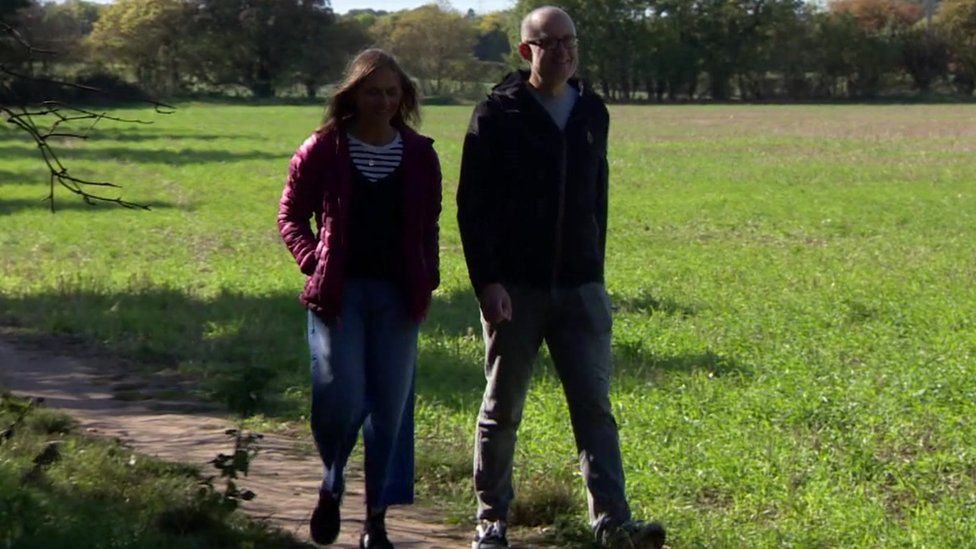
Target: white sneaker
(490,535)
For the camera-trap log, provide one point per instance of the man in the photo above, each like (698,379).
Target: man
(532,209)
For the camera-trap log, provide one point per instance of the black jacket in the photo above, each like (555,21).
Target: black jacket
(532,200)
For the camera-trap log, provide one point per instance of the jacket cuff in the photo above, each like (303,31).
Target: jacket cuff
(307,266)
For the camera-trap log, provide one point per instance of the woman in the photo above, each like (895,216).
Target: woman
(373,185)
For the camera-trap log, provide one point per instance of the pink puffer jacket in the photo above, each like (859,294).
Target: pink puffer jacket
(319,185)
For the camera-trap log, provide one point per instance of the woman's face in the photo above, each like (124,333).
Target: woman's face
(378,97)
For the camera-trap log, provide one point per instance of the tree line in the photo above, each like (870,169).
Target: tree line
(767,49)
(255,48)
(633,50)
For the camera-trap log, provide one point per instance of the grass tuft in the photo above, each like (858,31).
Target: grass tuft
(542,499)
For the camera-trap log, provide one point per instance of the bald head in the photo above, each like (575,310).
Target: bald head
(540,18)
(549,45)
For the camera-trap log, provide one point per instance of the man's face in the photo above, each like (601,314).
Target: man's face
(551,48)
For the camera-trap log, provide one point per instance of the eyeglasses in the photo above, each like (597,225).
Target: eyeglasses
(568,42)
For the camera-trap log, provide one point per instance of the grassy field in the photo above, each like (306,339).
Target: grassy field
(795,326)
(60,489)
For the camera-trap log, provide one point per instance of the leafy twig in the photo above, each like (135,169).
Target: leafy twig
(23,407)
(232,465)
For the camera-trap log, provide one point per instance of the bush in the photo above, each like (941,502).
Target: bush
(111,87)
(106,89)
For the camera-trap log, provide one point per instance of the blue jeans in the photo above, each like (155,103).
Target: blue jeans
(363,367)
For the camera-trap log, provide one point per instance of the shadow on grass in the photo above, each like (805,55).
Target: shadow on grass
(645,303)
(26,177)
(150,156)
(130,134)
(69,202)
(454,314)
(457,313)
(9,135)
(234,345)
(637,364)
(154,134)
(249,352)
(78,518)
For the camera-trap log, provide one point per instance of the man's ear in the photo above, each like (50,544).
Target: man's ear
(525,51)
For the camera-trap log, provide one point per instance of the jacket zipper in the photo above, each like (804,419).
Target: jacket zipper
(560,208)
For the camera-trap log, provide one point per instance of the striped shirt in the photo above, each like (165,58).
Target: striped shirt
(376,162)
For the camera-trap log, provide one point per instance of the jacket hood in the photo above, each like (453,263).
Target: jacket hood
(408,134)
(517,82)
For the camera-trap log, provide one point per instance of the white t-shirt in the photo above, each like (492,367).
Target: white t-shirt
(559,106)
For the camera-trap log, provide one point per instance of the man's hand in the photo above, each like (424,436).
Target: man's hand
(496,305)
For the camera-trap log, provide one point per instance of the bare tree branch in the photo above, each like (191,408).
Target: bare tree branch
(7,29)
(31,115)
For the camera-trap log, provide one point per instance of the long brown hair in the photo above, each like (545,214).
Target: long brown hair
(342,107)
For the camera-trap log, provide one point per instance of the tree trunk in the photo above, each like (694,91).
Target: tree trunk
(260,85)
(718,85)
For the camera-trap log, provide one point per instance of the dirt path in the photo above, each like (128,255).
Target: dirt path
(285,475)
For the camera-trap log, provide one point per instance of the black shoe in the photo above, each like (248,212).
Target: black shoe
(324,524)
(374,537)
(633,534)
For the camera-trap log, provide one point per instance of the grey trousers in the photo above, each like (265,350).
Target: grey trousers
(576,325)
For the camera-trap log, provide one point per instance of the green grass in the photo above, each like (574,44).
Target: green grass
(58,489)
(795,327)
